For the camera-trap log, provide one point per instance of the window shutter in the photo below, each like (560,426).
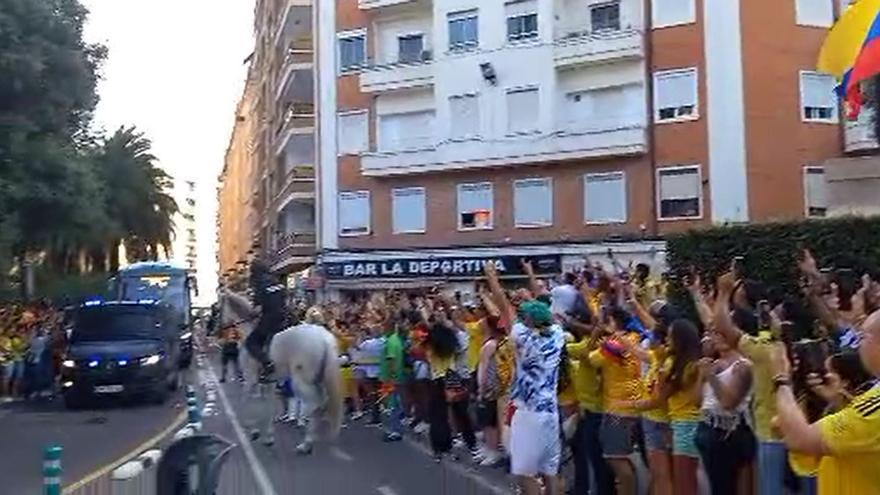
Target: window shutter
(352,133)
(605,198)
(474,197)
(408,209)
(406,130)
(668,12)
(522,110)
(679,184)
(532,202)
(817,90)
(465,116)
(522,7)
(354,212)
(817,189)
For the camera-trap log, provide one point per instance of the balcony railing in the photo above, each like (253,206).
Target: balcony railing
(476,153)
(398,75)
(292,248)
(584,48)
(375,4)
(297,116)
(859,134)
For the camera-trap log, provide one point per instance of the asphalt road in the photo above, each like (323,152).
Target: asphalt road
(358,462)
(91,438)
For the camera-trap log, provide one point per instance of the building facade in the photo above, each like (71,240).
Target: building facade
(185,245)
(470,128)
(267,191)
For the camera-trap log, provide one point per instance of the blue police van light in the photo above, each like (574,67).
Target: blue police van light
(93,302)
(93,363)
(123,362)
(146,301)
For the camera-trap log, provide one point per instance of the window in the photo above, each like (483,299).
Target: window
(675,95)
(464,116)
(815,192)
(522,20)
(603,108)
(352,51)
(410,48)
(475,206)
(818,13)
(463,30)
(605,17)
(818,101)
(408,210)
(533,203)
(406,131)
(354,213)
(605,198)
(673,12)
(522,110)
(353,135)
(680,190)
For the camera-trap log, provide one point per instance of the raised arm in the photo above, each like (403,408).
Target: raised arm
(534,284)
(695,288)
(507,310)
(722,320)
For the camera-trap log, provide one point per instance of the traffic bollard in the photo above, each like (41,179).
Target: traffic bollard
(52,470)
(194,417)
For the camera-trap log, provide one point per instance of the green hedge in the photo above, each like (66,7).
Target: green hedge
(771,250)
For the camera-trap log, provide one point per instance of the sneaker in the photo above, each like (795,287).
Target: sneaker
(438,458)
(421,427)
(392,437)
(357,415)
(374,424)
(490,459)
(457,443)
(476,455)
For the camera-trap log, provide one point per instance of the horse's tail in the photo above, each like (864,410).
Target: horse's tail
(333,387)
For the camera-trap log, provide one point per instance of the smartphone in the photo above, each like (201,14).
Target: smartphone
(739,265)
(811,355)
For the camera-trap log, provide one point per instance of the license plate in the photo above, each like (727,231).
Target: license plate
(109,389)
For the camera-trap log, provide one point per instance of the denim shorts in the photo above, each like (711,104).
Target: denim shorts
(618,435)
(684,438)
(658,436)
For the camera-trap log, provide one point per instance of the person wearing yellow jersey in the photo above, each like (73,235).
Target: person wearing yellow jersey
(586,447)
(844,447)
(682,386)
(620,366)
(655,421)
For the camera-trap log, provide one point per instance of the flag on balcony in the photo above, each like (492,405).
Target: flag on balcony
(851,52)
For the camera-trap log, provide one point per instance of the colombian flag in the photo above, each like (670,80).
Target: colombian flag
(851,52)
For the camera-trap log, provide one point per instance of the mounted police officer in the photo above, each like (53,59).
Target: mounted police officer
(269,296)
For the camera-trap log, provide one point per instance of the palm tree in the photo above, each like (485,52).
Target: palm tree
(137,197)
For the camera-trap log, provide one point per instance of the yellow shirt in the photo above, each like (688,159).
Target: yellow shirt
(587,379)
(621,379)
(475,343)
(568,396)
(853,436)
(651,381)
(684,405)
(758,349)
(439,365)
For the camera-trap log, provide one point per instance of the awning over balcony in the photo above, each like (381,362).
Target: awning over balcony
(853,185)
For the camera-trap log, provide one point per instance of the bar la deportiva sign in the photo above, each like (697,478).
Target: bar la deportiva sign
(454,267)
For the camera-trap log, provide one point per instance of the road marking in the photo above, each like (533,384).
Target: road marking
(98,473)
(386,490)
(340,454)
(256,467)
(461,470)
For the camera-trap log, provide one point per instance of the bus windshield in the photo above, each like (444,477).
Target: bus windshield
(169,289)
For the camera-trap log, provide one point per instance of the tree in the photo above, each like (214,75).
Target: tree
(136,199)
(47,95)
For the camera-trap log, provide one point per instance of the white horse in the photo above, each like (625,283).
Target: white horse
(307,354)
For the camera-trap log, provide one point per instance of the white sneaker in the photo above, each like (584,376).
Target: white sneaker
(421,428)
(490,459)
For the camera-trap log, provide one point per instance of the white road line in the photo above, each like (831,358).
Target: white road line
(461,470)
(341,454)
(260,475)
(386,490)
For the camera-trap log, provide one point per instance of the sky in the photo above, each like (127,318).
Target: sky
(175,70)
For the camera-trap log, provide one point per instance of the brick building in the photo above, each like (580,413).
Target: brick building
(466,129)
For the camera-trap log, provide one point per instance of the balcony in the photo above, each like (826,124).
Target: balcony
(477,153)
(292,249)
(376,4)
(583,48)
(298,118)
(298,183)
(397,76)
(858,135)
(295,20)
(296,73)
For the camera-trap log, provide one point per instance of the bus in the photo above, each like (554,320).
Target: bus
(165,283)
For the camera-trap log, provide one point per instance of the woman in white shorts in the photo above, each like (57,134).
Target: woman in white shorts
(535,447)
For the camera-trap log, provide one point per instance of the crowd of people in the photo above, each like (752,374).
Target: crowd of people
(752,390)
(32,342)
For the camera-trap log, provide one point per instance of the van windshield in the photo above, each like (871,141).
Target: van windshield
(100,325)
